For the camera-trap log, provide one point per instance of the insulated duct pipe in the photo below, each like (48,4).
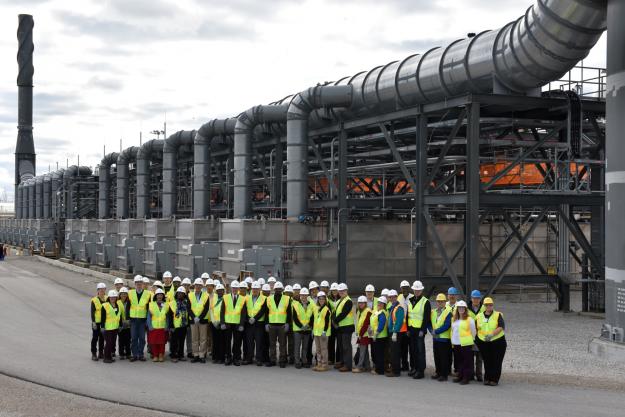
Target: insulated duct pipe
(104,184)
(69,176)
(47,196)
(201,162)
(32,203)
(300,108)
(38,197)
(25,199)
(148,152)
(170,168)
(57,180)
(125,157)
(243,136)
(18,201)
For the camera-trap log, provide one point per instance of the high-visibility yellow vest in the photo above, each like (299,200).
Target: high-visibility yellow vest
(198,306)
(375,321)
(122,309)
(139,307)
(303,314)
(254,307)
(486,326)
(415,313)
(360,320)
(97,315)
(173,306)
(277,314)
(474,315)
(319,322)
(438,322)
(464,330)
(349,318)
(216,316)
(212,298)
(159,315)
(112,316)
(331,304)
(233,312)
(171,294)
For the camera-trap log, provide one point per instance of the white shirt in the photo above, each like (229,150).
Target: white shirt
(455,331)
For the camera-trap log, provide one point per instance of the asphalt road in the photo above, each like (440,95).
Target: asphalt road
(45,331)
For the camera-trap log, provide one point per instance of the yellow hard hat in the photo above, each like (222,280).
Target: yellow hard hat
(441,297)
(488,300)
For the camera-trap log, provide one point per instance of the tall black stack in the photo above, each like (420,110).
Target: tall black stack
(25,148)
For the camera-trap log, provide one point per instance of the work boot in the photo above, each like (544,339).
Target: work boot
(133,359)
(174,360)
(464,382)
(202,360)
(298,366)
(182,359)
(94,357)
(122,357)
(195,359)
(154,358)
(457,379)
(237,363)
(161,358)
(107,361)
(338,365)
(291,361)
(142,358)
(259,363)
(100,355)
(190,355)
(344,369)
(479,378)
(442,378)
(323,368)
(418,375)
(306,365)
(435,376)
(282,365)
(355,370)
(412,372)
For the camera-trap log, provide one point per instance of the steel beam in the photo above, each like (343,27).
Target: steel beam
(420,231)
(447,146)
(574,228)
(342,205)
(441,249)
(391,144)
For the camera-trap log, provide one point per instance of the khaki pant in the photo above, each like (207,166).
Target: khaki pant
(321,347)
(199,334)
(209,338)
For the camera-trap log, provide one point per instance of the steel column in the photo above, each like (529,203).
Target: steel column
(472,213)
(342,204)
(420,232)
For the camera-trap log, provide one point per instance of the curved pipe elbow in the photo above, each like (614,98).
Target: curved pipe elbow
(127,155)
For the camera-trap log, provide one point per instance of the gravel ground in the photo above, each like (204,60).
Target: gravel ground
(544,346)
(24,399)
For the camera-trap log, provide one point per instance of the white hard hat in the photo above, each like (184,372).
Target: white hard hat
(100,286)
(123,289)
(461,304)
(321,294)
(288,288)
(313,284)
(234,284)
(261,281)
(209,282)
(159,291)
(392,293)
(113,293)
(271,279)
(205,275)
(198,281)
(266,287)
(176,279)
(167,274)
(186,281)
(362,299)
(369,288)
(342,287)
(119,281)
(279,286)
(385,291)
(404,283)
(138,278)
(304,291)
(334,286)
(382,300)
(256,285)
(249,280)
(324,284)
(158,284)
(146,280)
(182,290)
(219,287)
(297,287)
(216,282)
(417,286)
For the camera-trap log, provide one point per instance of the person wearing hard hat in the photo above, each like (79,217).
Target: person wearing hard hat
(462,338)
(343,323)
(476,307)
(158,324)
(186,284)
(272,283)
(139,299)
(419,312)
(290,343)
(322,327)
(124,327)
(266,291)
(167,286)
(363,317)
(379,334)
(302,314)
(198,301)
(111,316)
(323,286)
(279,306)
(218,354)
(397,327)
(334,348)
(209,286)
(179,307)
(147,286)
(313,290)
(97,337)
(453,295)
(403,297)
(372,302)
(256,308)
(385,294)
(440,321)
(232,320)
(491,341)
(119,283)
(296,290)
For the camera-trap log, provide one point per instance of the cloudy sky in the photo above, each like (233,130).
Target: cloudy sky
(107,70)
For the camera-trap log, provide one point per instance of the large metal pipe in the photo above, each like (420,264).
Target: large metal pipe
(243,136)
(25,147)
(56,183)
(125,157)
(69,177)
(47,196)
(104,184)
(300,108)
(30,184)
(201,162)
(38,197)
(149,151)
(615,174)
(18,201)
(170,168)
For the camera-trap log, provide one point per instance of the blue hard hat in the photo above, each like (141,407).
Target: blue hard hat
(476,294)
(453,291)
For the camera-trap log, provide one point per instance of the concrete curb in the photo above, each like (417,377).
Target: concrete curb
(79,270)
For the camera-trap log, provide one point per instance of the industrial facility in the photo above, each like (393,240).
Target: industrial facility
(481,163)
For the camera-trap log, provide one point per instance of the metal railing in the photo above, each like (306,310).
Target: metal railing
(587,82)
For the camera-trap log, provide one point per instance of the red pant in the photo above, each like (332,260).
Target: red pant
(157,349)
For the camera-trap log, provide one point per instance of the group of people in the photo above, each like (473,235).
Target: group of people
(268,324)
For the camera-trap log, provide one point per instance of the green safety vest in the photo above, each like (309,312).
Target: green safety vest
(320,320)
(375,320)
(303,314)
(254,307)
(438,322)
(159,315)
(98,309)
(233,312)
(362,316)
(139,307)
(415,313)
(217,309)
(112,317)
(277,314)
(474,315)
(349,318)
(198,306)
(486,326)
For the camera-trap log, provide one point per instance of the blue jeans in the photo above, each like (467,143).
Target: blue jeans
(137,337)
